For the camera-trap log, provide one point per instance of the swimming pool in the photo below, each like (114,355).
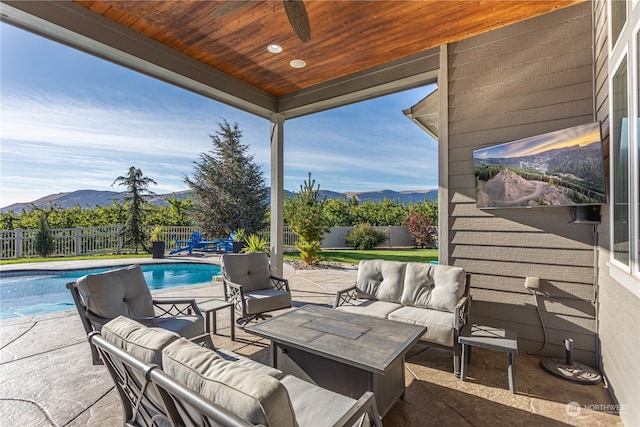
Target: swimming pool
(39,292)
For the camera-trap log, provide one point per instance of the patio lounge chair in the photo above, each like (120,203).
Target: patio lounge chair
(181,246)
(196,242)
(102,297)
(249,285)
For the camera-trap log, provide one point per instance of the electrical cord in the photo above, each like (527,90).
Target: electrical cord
(544,330)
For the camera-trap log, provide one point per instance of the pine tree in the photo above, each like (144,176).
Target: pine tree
(228,186)
(43,243)
(137,186)
(305,214)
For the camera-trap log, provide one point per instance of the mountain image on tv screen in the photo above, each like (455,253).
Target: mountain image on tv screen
(562,168)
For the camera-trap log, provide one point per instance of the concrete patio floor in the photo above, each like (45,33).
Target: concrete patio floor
(47,379)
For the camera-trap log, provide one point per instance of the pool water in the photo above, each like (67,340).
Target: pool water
(29,293)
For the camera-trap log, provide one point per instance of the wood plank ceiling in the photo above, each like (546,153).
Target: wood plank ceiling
(346,36)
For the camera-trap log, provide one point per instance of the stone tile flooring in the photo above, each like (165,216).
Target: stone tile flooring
(47,379)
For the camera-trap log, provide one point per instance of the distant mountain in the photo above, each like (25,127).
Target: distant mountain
(84,198)
(397,196)
(92,198)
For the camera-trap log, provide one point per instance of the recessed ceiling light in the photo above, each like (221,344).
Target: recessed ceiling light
(274,48)
(298,63)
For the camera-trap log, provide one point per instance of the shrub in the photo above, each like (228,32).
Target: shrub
(255,243)
(421,229)
(157,234)
(43,241)
(364,236)
(304,212)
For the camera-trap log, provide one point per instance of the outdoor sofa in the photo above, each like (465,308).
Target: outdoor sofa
(163,379)
(431,295)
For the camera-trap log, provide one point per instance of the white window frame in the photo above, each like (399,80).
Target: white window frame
(627,47)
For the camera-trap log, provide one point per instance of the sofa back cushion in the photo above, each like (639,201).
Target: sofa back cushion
(117,292)
(251,395)
(380,280)
(136,339)
(438,287)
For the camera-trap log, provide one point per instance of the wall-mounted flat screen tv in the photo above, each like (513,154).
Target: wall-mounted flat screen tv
(562,168)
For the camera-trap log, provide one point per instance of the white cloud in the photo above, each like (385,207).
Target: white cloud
(53,142)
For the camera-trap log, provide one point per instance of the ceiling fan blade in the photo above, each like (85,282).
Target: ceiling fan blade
(228,7)
(298,18)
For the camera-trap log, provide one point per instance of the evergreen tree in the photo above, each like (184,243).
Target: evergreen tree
(228,186)
(137,186)
(305,214)
(43,243)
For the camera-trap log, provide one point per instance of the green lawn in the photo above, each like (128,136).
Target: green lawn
(354,256)
(347,255)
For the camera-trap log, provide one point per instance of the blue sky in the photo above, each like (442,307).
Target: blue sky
(70,121)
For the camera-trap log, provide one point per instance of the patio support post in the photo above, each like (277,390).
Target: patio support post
(443,158)
(277,192)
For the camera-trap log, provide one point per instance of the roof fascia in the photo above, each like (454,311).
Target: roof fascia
(425,114)
(78,27)
(407,73)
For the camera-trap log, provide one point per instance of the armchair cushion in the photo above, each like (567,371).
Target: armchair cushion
(437,287)
(143,343)
(380,280)
(266,300)
(252,395)
(117,292)
(313,405)
(250,270)
(439,324)
(185,326)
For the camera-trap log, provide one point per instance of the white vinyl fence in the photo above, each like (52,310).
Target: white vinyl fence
(79,241)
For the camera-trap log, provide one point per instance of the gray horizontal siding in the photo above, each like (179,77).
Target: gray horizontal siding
(619,310)
(522,80)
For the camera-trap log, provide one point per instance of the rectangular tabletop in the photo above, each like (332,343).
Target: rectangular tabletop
(362,341)
(489,337)
(214,304)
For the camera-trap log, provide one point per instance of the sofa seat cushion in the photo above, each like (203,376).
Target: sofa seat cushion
(380,280)
(379,309)
(136,339)
(185,326)
(439,323)
(315,406)
(266,300)
(251,364)
(437,287)
(117,292)
(251,395)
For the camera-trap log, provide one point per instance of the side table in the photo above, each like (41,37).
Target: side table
(209,309)
(491,338)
